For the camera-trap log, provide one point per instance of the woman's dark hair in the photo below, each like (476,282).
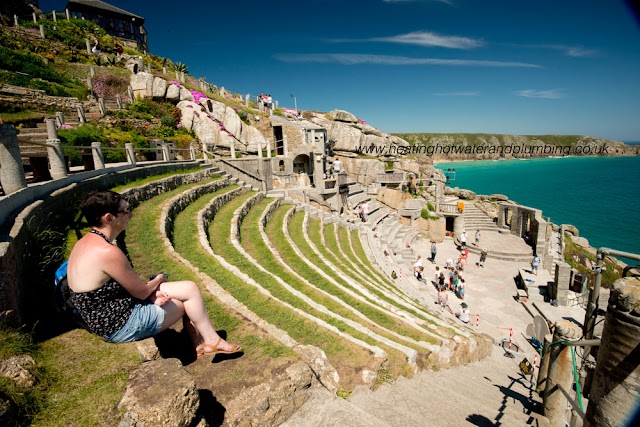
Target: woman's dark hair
(97,203)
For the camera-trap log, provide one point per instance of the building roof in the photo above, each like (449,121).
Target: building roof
(97,4)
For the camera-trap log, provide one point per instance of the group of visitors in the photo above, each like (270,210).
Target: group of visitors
(265,100)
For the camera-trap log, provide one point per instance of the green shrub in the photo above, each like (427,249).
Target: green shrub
(30,64)
(431,207)
(425,214)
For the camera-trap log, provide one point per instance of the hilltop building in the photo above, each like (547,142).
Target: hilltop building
(115,21)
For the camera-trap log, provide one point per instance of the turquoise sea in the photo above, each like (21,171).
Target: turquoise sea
(599,195)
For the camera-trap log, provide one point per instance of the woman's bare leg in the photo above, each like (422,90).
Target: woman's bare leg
(187,294)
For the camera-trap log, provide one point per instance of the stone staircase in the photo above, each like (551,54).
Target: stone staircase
(475,219)
(492,392)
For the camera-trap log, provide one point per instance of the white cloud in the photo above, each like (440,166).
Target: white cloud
(573,51)
(457,94)
(547,94)
(425,38)
(352,59)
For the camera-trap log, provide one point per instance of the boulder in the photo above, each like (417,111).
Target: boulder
(498,197)
(369,130)
(398,141)
(142,84)
(159,393)
(343,116)
(187,110)
(346,137)
(571,229)
(581,241)
(185,94)
(232,122)
(173,93)
(16,368)
(377,141)
(364,171)
(159,87)
(317,360)
(271,403)
(148,349)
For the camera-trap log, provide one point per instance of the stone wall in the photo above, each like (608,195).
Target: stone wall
(34,246)
(25,97)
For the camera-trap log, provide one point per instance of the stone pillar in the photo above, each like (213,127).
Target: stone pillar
(246,100)
(59,118)
(102,107)
(268,150)
(81,117)
(88,42)
(182,76)
(544,364)
(131,154)
(35,19)
(164,70)
(165,152)
(562,280)
(616,382)
(119,101)
(285,145)
(96,152)
(15,20)
(222,91)
(11,173)
(458,225)
(275,104)
(53,15)
(92,71)
(233,149)
(57,165)
(560,373)
(192,151)
(66,12)
(259,149)
(42,32)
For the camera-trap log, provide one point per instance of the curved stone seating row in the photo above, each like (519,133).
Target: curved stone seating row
(359,291)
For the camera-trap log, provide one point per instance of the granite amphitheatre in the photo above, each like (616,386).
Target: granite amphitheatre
(305,250)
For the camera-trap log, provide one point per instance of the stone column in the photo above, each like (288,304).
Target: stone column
(96,152)
(81,117)
(268,150)
(59,118)
(57,165)
(560,373)
(233,149)
(165,152)
(53,15)
(11,173)
(131,154)
(285,145)
(562,280)
(259,149)
(66,12)
(88,42)
(544,364)
(192,151)
(246,100)
(42,32)
(102,107)
(164,70)
(616,382)
(458,225)
(182,76)
(222,91)
(92,71)
(15,20)
(35,19)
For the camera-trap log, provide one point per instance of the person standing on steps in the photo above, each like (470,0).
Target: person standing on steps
(483,257)
(477,238)
(111,298)
(463,239)
(418,268)
(535,263)
(434,251)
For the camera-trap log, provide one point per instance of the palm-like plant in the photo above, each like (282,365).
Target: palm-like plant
(181,68)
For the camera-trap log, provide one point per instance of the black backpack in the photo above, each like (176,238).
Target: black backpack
(62,296)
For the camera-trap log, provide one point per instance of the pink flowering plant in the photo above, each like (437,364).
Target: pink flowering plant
(175,83)
(197,96)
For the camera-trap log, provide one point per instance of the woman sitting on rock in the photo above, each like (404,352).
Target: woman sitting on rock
(112,299)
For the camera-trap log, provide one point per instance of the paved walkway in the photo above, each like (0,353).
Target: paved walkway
(490,291)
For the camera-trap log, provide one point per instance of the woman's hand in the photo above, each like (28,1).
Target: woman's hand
(159,298)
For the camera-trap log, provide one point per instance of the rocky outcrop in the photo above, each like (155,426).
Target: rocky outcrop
(16,369)
(364,171)
(160,393)
(272,402)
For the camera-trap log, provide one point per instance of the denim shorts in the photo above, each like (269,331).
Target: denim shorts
(145,321)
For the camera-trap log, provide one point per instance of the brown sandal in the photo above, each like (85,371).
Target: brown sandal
(213,349)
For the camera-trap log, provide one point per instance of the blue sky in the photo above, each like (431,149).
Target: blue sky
(493,66)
